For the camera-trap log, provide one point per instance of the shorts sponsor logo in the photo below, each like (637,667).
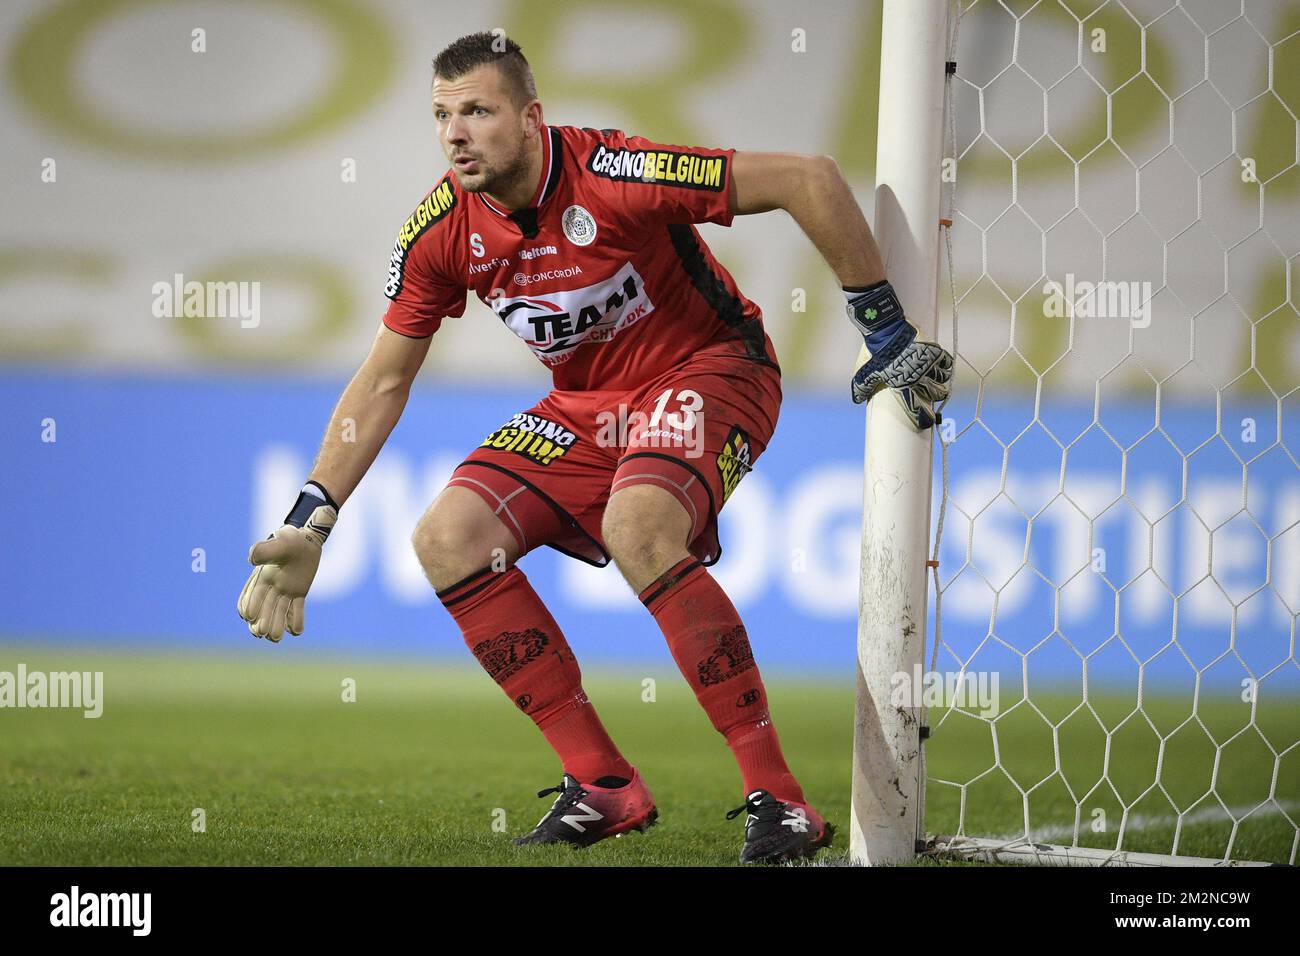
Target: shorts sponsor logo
(734,461)
(554,324)
(435,207)
(537,439)
(510,652)
(664,167)
(731,657)
(579,227)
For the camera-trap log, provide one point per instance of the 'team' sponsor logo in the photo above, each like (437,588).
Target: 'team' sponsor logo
(554,324)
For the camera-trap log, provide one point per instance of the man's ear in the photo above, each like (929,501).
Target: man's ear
(533,118)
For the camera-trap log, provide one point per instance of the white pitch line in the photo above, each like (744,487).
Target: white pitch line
(1139,822)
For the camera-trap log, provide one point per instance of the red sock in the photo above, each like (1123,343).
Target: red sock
(533,664)
(712,651)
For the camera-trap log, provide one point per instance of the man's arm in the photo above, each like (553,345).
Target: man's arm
(815,194)
(367,411)
(284,566)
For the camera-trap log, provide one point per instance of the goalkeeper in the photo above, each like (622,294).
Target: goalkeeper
(583,242)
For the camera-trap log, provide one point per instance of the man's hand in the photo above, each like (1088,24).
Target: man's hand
(919,376)
(274,596)
(813,190)
(918,372)
(272,600)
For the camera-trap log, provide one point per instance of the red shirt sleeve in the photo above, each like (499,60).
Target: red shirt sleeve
(420,294)
(671,184)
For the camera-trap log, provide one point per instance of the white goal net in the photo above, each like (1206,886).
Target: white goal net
(1119,558)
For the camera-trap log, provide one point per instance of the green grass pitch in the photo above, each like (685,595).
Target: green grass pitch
(431,760)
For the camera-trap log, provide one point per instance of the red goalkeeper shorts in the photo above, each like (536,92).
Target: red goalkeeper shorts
(694,431)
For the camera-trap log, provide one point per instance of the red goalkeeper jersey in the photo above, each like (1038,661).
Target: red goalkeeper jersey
(603,275)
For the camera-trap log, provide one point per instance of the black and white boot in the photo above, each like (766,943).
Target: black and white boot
(777,832)
(585,813)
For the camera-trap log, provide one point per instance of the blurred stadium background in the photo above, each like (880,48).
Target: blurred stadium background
(292,147)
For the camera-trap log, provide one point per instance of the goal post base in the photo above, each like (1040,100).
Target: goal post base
(1027,853)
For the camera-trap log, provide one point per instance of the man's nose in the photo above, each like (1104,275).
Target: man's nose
(457,132)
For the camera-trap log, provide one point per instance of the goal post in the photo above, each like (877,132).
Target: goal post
(888,765)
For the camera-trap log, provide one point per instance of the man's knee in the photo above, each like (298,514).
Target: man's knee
(645,530)
(458,535)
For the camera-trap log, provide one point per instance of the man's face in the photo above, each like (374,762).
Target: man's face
(482,131)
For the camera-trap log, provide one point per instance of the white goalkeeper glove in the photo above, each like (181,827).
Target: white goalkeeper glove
(918,372)
(274,596)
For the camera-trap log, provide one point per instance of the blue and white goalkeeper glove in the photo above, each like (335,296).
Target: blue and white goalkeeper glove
(918,372)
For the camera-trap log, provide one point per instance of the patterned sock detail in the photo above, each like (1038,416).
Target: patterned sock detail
(516,640)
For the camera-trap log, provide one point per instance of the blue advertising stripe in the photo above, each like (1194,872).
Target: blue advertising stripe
(179,476)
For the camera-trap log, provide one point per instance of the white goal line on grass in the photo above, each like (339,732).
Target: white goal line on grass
(1140,821)
(1038,846)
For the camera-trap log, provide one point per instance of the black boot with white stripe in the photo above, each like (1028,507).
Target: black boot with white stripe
(585,813)
(777,832)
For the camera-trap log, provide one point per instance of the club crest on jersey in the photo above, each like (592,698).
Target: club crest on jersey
(554,324)
(734,461)
(578,225)
(433,209)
